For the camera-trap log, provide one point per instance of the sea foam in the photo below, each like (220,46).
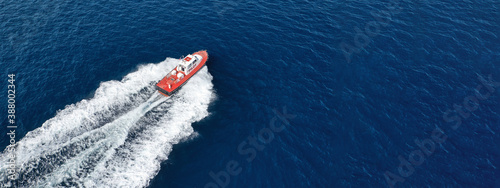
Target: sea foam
(117,138)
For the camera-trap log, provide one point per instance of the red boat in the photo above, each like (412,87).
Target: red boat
(179,76)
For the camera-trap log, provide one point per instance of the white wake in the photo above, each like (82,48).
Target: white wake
(118,138)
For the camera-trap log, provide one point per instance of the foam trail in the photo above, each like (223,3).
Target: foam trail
(118,138)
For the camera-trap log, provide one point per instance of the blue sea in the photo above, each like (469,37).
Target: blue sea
(295,93)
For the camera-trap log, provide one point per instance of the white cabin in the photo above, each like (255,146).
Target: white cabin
(189,63)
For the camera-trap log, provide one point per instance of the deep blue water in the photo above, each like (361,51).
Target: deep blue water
(353,116)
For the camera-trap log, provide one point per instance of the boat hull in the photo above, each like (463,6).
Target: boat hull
(169,89)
